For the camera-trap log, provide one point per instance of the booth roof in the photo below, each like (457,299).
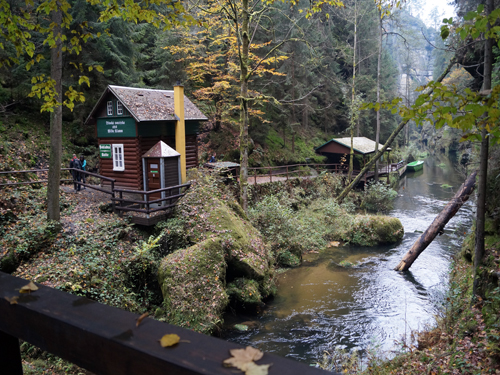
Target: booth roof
(161,150)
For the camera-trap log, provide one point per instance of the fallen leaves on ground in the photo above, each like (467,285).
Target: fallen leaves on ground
(169,340)
(243,359)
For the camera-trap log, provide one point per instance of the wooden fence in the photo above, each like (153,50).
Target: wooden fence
(110,341)
(304,170)
(168,199)
(168,196)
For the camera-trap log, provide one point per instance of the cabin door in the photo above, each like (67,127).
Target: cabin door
(154,180)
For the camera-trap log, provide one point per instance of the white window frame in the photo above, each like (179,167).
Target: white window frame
(110,108)
(119,108)
(118,157)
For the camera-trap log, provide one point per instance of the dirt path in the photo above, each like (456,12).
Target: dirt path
(86,207)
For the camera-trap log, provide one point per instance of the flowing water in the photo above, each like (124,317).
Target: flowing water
(321,305)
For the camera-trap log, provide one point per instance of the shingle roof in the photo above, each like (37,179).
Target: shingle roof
(160,150)
(362,145)
(151,104)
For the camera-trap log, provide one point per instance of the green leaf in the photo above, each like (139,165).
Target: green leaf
(469,16)
(444,32)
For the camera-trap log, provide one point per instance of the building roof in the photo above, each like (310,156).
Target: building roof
(362,145)
(150,104)
(161,150)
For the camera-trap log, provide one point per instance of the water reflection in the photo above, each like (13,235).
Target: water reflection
(321,305)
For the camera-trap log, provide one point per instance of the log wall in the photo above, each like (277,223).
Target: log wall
(134,148)
(131,177)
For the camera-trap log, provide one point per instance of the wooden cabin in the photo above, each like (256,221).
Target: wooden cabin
(130,121)
(336,148)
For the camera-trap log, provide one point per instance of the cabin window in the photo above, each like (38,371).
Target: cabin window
(118,161)
(110,108)
(119,108)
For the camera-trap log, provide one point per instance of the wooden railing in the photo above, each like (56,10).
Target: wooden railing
(110,341)
(103,178)
(169,194)
(301,170)
(37,171)
(293,170)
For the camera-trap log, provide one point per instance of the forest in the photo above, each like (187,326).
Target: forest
(276,79)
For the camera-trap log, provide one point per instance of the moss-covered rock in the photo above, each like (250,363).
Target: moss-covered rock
(192,283)
(289,259)
(388,229)
(370,230)
(244,291)
(224,247)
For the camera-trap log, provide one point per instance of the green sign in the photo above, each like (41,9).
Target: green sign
(105,151)
(115,127)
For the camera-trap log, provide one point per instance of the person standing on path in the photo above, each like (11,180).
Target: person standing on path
(77,166)
(84,165)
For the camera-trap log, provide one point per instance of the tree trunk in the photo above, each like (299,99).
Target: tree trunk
(387,144)
(53,211)
(353,96)
(483,164)
(439,223)
(244,105)
(377,132)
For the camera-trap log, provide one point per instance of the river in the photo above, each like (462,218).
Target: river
(320,305)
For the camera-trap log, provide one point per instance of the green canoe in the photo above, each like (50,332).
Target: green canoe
(415,165)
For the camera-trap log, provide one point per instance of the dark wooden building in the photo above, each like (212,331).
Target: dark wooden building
(130,121)
(336,148)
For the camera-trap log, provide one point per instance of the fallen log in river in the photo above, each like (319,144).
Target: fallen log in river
(439,223)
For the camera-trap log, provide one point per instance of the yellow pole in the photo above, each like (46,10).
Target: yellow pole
(180,128)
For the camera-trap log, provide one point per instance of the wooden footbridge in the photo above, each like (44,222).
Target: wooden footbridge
(150,207)
(259,175)
(144,207)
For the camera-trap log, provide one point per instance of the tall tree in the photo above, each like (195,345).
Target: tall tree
(53,212)
(244,17)
(483,156)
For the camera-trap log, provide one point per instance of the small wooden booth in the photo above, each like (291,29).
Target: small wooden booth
(130,121)
(161,167)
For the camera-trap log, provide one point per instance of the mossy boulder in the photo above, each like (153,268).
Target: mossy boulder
(245,291)
(224,247)
(387,229)
(192,284)
(370,230)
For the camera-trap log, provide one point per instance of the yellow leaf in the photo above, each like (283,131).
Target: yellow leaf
(169,340)
(141,318)
(31,287)
(241,357)
(254,369)
(12,300)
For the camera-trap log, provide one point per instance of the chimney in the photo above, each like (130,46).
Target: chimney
(180,128)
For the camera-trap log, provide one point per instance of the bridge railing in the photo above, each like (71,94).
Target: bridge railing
(168,198)
(43,173)
(292,170)
(110,341)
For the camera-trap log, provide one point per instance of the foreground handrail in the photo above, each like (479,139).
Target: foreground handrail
(109,341)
